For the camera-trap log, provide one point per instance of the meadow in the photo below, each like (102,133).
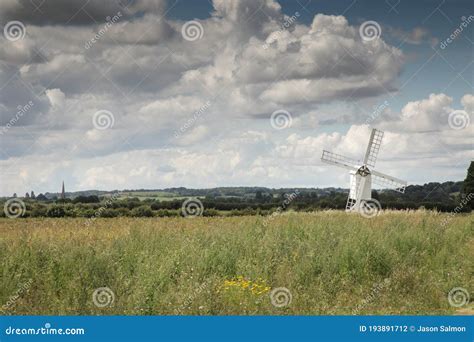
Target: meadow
(330,262)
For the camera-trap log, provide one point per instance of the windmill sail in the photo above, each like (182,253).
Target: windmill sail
(389,182)
(373,148)
(341,161)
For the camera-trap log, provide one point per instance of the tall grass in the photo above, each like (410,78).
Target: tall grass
(331,262)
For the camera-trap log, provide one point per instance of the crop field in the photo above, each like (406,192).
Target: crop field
(320,263)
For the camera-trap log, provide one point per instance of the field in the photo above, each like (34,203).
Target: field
(330,263)
(157,195)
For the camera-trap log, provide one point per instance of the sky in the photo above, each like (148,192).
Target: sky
(133,94)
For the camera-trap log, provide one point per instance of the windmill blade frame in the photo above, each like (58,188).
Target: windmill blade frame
(373,147)
(339,160)
(389,182)
(356,190)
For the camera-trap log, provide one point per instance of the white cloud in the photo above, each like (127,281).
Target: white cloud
(430,114)
(56,97)
(468,102)
(154,81)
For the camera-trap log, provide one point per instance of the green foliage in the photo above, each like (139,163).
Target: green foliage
(38,211)
(109,213)
(141,211)
(166,213)
(86,199)
(468,185)
(56,211)
(210,213)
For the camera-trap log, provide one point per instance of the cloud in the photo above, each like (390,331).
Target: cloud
(416,36)
(73,63)
(468,102)
(56,97)
(301,65)
(430,114)
(74,12)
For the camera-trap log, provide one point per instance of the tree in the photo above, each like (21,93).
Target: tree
(42,197)
(32,194)
(27,195)
(468,185)
(14,195)
(86,199)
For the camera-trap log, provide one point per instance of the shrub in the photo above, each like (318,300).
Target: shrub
(142,211)
(38,211)
(166,213)
(86,199)
(108,213)
(55,211)
(210,212)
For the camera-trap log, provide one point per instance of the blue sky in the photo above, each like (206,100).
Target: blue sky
(118,94)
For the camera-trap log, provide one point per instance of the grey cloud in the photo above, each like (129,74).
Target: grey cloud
(75,12)
(16,93)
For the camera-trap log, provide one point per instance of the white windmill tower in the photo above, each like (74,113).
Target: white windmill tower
(362,174)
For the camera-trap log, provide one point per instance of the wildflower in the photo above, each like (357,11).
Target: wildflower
(258,287)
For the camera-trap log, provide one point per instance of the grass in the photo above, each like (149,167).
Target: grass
(331,262)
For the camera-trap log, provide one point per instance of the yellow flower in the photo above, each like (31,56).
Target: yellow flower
(257,287)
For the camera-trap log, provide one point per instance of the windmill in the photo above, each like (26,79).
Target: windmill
(362,175)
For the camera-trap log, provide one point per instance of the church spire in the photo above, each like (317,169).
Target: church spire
(63,194)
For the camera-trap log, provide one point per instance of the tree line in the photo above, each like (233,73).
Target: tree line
(444,197)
